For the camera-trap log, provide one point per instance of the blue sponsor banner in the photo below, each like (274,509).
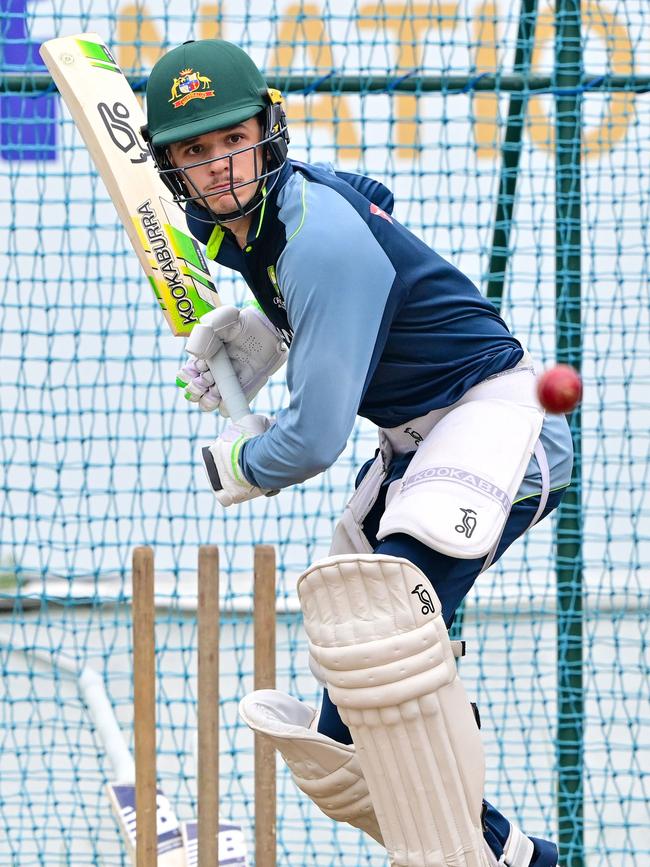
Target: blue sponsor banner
(27,123)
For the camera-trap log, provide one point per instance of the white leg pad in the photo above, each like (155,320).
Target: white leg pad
(375,628)
(325,770)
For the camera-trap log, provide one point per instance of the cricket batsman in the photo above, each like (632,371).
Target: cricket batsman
(371,322)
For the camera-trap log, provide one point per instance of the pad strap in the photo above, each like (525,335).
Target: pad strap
(348,535)
(519,849)
(545,472)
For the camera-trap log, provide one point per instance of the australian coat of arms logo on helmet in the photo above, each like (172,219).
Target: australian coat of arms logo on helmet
(190,84)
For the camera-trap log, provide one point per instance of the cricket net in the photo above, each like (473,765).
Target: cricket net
(517,144)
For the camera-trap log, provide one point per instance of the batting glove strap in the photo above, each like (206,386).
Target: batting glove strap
(224,468)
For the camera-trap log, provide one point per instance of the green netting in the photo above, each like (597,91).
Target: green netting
(457,109)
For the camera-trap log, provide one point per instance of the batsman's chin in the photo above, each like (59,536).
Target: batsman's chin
(220,201)
(225,200)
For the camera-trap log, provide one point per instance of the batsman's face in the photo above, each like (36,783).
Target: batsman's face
(216,162)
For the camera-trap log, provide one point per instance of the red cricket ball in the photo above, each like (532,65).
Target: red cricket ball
(559,389)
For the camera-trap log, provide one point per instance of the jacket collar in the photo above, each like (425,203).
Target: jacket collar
(219,242)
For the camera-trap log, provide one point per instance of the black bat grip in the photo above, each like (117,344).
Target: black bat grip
(213,473)
(211,469)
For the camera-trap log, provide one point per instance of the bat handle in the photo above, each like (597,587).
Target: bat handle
(231,391)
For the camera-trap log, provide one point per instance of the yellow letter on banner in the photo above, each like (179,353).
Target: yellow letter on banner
(485,105)
(613,126)
(209,20)
(302,26)
(140,40)
(410,22)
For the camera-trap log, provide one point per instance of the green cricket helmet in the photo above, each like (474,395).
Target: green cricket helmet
(207,85)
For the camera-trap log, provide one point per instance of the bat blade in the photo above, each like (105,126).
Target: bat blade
(109,117)
(171,849)
(232,846)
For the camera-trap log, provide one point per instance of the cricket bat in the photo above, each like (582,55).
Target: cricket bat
(176,842)
(109,118)
(121,792)
(232,846)
(171,849)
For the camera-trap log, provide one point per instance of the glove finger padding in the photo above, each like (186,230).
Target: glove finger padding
(198,385)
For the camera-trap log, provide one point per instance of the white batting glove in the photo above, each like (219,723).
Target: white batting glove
(222,462)
(252,342)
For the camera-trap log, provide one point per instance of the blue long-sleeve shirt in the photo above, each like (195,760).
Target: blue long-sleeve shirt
(380,325)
